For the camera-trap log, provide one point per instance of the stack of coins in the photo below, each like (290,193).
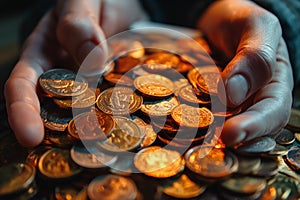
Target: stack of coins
(149,131)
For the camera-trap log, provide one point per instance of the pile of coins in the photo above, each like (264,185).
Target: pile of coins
(147,130)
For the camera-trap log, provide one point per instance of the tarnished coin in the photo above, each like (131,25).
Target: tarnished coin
(183,188)
(267,168)
(112,187)
(87,99)
(248,164)
(148,134)
(91,157)
(15,177)
(125,136)
(193,117)
(154,85)
(159,162)
(257,145)
(293,158)
(125,64)
(285,137)
(294,121)
(160,108)
(161,61)
(119,79)
(187,94)
(244,184)
(57,164)
(119,101)
(62,83)
(91,126)
(55,118)
(211,162)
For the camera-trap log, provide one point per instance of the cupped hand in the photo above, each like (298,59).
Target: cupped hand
(63,38)
(258,74)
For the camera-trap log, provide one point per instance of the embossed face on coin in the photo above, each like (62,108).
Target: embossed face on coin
(154,85)
(62,83)
(119,101)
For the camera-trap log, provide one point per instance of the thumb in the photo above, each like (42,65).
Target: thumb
(79,33)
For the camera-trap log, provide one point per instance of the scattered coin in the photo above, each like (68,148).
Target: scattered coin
(248,164)
(188,95)
(257,145)
(119,101)
(159,162)
(112,187)
(148,134)
(62,83)
(293,158)
(125,64)
(118,79)
(161,61)
(160,108)
(285,137)
(267,168)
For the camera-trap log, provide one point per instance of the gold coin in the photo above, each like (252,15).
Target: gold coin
(62,83)
(112,187)
(57,164)
(178,84)
(159,162)
(293,158)
(154,85)
(183,188)
(294,121)
(119,101)
(119,79)
(205,79)
(125,136)
(84,100)
(148,134)
(187,94)
(125,64)
(257,145)
(15,178)
(193,117)
(91,126)
(160,108)
(161,61)
(211,162)
(183,67)
(244,184)
(285,137)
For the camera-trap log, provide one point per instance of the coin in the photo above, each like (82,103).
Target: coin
(183,188)
(58,139)
(159,162)
(244,184)
(297,136)
(285,137)
(248,164)
(112,187)
(57,164)
(183,67)
(125,136)
(125,64)
(178,84)
(15,177)
(123,166)
(294,121)
(160,108)
(211,162)
(293,158)
(119,79)
(161,61)
(148,134)
(193,117)
(187,94)
(65,192)
(154,85)
(84,100)
(277,151)
(62,83)
(269,194)
(91,126)
(91,157)
(119,101)
(267,168)
(205,79)
(257,145)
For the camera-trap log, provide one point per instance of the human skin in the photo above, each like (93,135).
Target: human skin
(242,31)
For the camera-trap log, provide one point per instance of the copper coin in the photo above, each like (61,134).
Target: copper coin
(119,101)
(193,117)
(125,64)
(161,61)
(294,121)
(257,145)
(57,164)
(62,83)
(87,99)
(293,158)
(285,137)
(91,126)
(160,108)
(211,162)
(148,134)
(154,85)
(187,94)
(118,79)
(159,162)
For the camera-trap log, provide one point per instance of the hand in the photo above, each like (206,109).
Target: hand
(258,74)
(63,37)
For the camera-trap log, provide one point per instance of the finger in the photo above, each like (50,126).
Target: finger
(20,89)
(271,106)
(78,31)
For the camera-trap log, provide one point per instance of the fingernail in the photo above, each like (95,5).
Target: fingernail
(237,88)
(91,58)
